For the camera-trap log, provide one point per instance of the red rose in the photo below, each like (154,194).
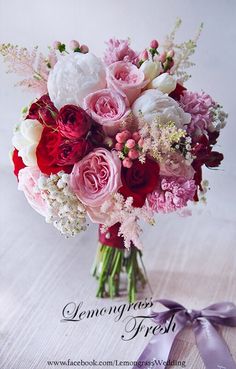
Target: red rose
(139,180)
(70,152)
(202,150)
(44,111)
(18,162)
(179,89)
(47,152)
(73,122)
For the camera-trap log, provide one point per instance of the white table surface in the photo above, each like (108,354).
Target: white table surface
(191,260)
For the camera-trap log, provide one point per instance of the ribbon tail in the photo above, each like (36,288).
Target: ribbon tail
(158,349)
(212,348)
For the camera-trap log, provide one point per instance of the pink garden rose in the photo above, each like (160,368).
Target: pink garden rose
(108,108)
(94,179)
(28,178)
(174,164)
(126,78)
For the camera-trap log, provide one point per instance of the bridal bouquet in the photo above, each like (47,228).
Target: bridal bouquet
(114,140)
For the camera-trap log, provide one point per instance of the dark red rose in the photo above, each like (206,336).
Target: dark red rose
(96,135)
(44,111)
(73,122)
(179,89)
(202,150)
(18,162)
(70,152)
(213,137)
(47,152)
(139,180)
(214,159)
(204,154)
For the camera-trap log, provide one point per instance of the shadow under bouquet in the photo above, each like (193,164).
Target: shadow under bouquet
(113,140)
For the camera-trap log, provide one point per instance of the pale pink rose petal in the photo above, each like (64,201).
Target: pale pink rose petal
(174,164)
(28,178)
(108,108)
(96,177)
(126,78)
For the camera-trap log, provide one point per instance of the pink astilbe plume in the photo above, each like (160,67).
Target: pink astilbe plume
(118,50)
(172,194)
(32,65)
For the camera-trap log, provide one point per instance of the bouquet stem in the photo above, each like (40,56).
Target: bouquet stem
(112,261)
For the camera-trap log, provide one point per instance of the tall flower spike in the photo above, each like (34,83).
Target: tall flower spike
(32,65)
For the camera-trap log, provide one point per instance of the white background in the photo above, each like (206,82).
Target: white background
(192,260)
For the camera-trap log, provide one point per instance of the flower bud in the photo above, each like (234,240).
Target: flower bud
(84,49)
(56,45)
(144,55)
(150,69)
(165,83)
(171,54)
(154,44)
(162,57)
(74,45)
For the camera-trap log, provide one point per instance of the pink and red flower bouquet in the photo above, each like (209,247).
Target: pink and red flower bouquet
(114,140)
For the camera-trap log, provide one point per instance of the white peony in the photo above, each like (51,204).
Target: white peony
(165,83)
(153,105)
(151,69)
(26,138)
(74,77)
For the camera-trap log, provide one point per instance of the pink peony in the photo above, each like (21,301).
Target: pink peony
(108,108)
(174,164)
(119,50)
(95,178)
(172,194)
(198,105)
(28,178)
(126,79)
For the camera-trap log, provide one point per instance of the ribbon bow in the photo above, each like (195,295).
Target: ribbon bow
(212,348)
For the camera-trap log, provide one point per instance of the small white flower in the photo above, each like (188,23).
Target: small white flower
(151,69)
(164,83)
(26,138)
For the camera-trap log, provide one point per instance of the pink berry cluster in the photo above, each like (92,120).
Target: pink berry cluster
(128,145)
(74,46)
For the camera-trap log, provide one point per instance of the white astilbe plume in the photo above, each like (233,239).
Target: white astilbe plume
(64,209)
(183,52)
(160,139)
(33,66)
(122,211)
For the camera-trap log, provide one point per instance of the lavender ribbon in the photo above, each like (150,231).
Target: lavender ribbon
(212,347)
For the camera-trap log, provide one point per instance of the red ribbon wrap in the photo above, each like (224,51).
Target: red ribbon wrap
(110,237)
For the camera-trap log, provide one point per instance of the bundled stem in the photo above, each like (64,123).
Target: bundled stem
(110,263)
